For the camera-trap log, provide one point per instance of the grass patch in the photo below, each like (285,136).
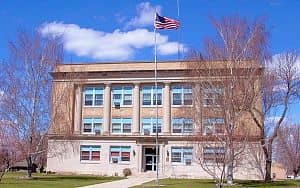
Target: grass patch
(196,183)
(14,180)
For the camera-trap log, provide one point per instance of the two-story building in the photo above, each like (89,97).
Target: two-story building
(104,120)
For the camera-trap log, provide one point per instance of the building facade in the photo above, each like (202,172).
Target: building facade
(104,120)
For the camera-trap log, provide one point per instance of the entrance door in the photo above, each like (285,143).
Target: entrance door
(150,159)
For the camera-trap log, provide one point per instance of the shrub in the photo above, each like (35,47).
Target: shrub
(127,172)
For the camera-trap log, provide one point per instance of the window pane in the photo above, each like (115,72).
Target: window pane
(127,99)
(98,99)
(188,100)
(158,97)
(88,100)
(125,156)
(116,127)
(84,155)
(87,127)
(147,99)
(177,125)
(126,128)
(95,155)
(177,99)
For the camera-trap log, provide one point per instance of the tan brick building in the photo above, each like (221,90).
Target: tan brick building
(103,120)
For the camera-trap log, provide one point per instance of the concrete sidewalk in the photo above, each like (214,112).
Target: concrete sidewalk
(125,183)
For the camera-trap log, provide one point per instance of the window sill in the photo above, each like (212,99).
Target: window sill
(89,162)
(178,106)
(92,106)
(180,164)
(120,163)
(126,106)
(151,106)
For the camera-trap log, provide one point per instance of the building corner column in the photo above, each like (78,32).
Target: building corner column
(136,109)
(167,110)
(107,109)
(78,109)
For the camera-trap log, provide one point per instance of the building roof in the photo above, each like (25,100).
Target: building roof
(139,66)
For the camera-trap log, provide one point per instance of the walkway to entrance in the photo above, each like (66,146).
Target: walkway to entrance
(125,183)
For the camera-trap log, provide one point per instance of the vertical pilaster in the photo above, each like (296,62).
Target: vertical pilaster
(107,109)
(167,109)
(136,109)
(78,109)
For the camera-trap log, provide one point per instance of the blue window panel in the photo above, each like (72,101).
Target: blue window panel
(126,120)
(84,148)
(115,148)
(127,90)
(98,90)
(87,120)
(187,90)
(88,90)
(177,150)
(147,89)
(125,148)
(116,120)
(95,148)
(98,120)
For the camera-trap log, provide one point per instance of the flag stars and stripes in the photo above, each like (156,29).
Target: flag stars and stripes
(165,23)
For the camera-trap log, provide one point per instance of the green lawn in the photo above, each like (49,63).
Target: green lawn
(196,183)
(14,180)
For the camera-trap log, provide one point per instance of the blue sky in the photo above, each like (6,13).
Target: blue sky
(122,30)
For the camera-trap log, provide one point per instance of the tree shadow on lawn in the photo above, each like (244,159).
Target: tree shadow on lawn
(251,183)
(56,178)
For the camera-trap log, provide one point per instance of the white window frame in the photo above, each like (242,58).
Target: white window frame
(212,122)
(122,122)
(215,93)
(152,95)
(90,150)
(183,88)
(123,93)
(152,123)
(214,149)
(93,96)
(183,158)
(93,121)
(119,157)
(182,124)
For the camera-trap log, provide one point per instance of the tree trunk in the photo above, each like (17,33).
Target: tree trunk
(29,167)
(268,168)
(230,174)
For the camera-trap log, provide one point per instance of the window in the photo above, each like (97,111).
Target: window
(182,95)
(119,154)
(93,96)
(182,125)
(214,154)
(122,95)
(149,95)
(213,126)
(182,155)
(211,96)
(121,125)
(92,125)
(149,125)
(90,153)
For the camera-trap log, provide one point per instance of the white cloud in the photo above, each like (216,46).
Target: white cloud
(170,48)
(145,15)
(100,45)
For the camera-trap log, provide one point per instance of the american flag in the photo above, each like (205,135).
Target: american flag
(165,23)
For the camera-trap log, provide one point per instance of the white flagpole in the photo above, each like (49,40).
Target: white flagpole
(179,31)
(156,105)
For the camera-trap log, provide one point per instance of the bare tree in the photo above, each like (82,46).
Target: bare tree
(279,88)
(26,87)
(287,148)
(228,77)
